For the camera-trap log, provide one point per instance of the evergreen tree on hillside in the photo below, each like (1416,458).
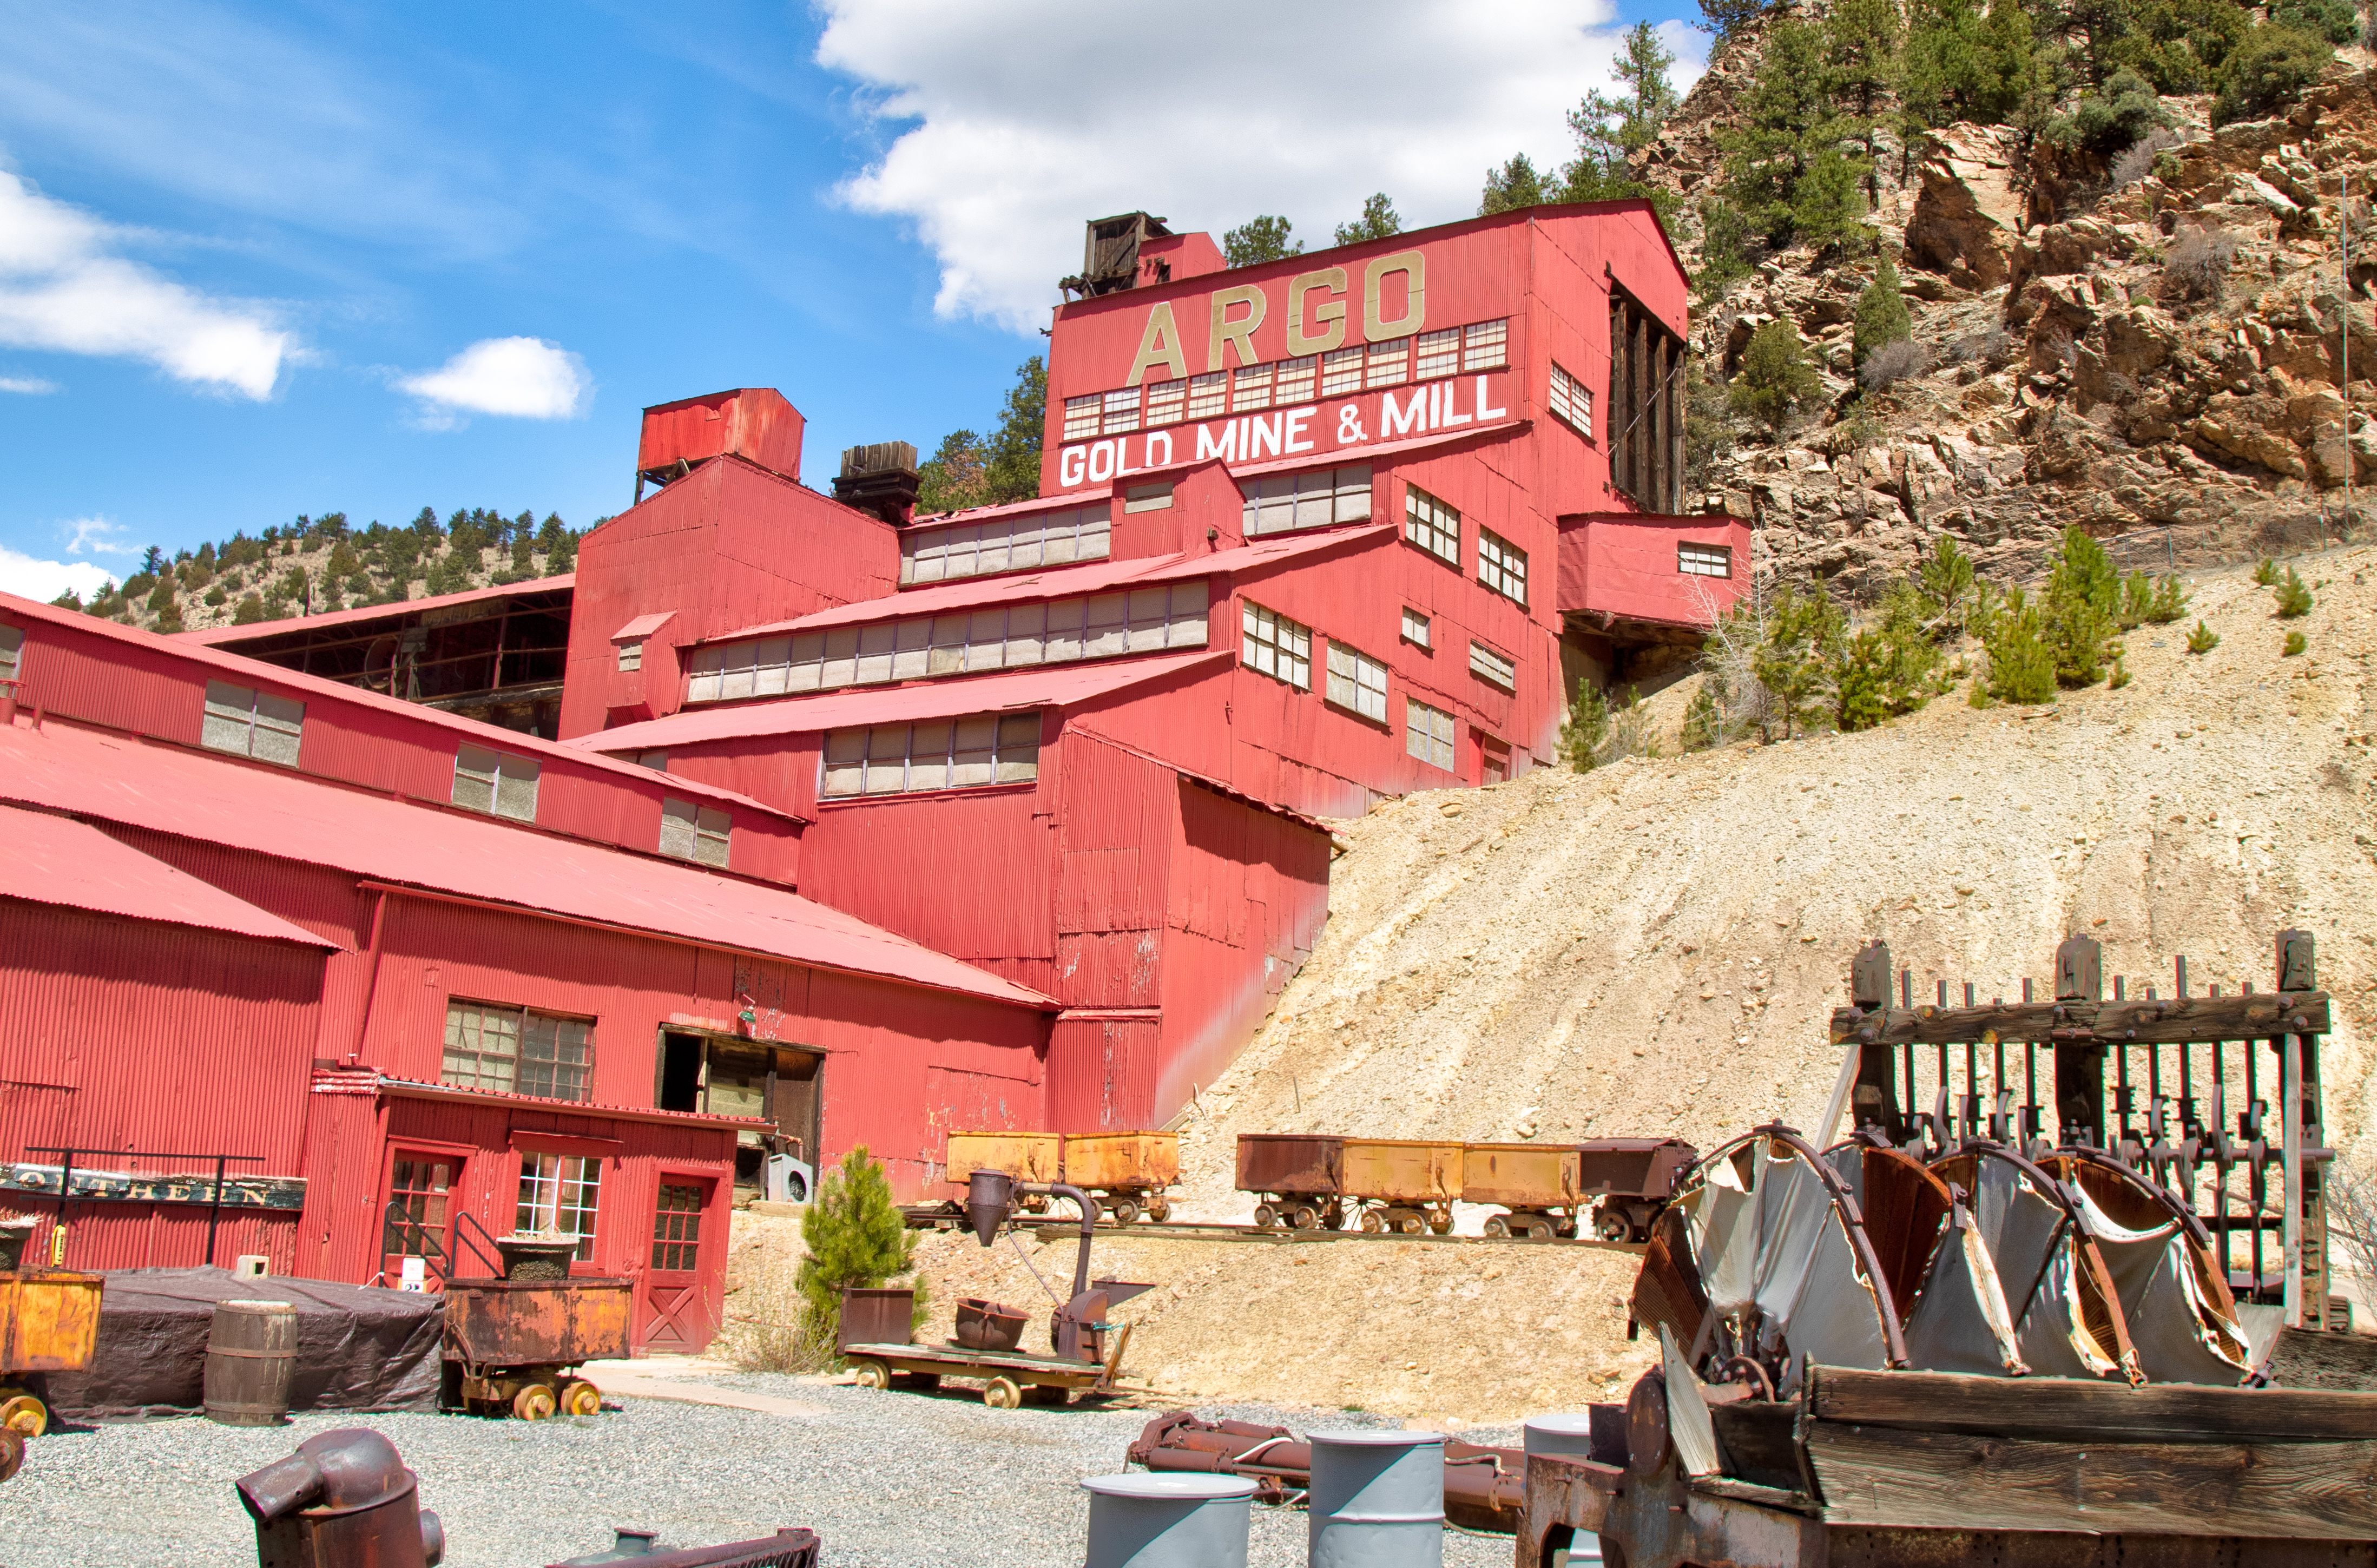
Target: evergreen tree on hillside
(1882,315)
(1862,46)
(968,470)
(1726,18)
(1790,128)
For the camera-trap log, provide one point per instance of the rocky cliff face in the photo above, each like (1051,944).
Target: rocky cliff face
(2157,358)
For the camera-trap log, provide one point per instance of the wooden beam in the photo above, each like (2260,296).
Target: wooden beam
(2081,1410)
(2166,1022)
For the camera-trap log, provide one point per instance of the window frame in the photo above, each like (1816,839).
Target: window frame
(1495,571)
(12,653)
(1346,493)
(683,1249)
(1564,394)
(1414,730)
(1425,637)
(250,711)
(512,777)
(630,655)
(691,831)
(1723,555)
(1011,756)
(519,1059)
(1259,629)
(1425,513)
(1359,691)
(1493,667)
(584,1185)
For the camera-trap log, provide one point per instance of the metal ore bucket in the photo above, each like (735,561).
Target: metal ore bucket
(1378,1499)
(1561,1436)
(1168,1520)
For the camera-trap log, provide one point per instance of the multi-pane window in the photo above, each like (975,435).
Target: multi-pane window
(414,1222)
(12,651)
(1493,668)
(1250,388)
(1704,561)
(1572,402)
(1358,682)
(517,1051)
(1341,372)
(1275,645)
(1295,379)
(1165,402)
(1427,733)
(676,1229)
(1003,637)
(1005,543)
(1501,565)
(1121,412)
(495,782)
(631,656)
(1314,498)
(1485,345)
(1432,525)
(1416,629)
(559,1196)
(693,833)
(968,753)
(249,723)
(1154,497)
(1389,365)
(1440,354)
(1081,417)
(1209,395)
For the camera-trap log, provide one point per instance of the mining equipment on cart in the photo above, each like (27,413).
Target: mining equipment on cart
(514,1343)
(49,1323)
(1310,1181)
(1630,1181)
(1086,1349)
(1952,1338)
(1126,1172)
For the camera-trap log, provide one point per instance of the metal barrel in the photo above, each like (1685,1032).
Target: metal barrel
(251,1353)
(1378,1499)
(1564,1436)
(1168,1520)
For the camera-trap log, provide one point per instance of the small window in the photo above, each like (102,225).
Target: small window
(1439,353)
(1501,565)
(1390,364)
(1358,682)
(1081,417)
(1209,395)
(1340,371)
(1277,646)
(1250,388)
(631,656)
(12,651)
(495,782)
(676,1229)
(1295,383)
(414,1224)
(1416,629)
(247,722)
(511,1050)
(1492,667)
(1432,525)
(1704,561)
(1427,733)
(1314,498)
(1487,345)
(1148,497)
(558,1195)
(968,753)
(1121,412)
(1165,402)
(693,833)
(1572,402)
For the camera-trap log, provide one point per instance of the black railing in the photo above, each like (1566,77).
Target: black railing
(213,1200)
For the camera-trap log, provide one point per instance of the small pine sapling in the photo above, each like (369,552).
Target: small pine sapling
(2169,604)
(2296,643)
(1704,722)
(1946,577)
(2022,652)
(2293,595)
(1585,731)
(2203,640)
(2137,601)
(855,1236)
(2121,676)
(2265,575)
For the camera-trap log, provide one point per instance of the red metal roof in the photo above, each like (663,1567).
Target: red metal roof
(268,811)
(257,672)
(1016,508)
(1055,686)
(57,860)
(415,1089)
(643,626)
(221,636)
(1095,577)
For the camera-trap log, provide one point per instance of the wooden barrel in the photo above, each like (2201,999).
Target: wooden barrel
(251,1351)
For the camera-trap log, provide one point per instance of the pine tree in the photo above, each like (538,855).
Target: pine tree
(1257,240)
(1774,379)
(1882,317)
(1726,18)
(1861,44)
(1515,185)
(1795,661)
(1379,221)
(1584,734)
(955,476)
(1611,129)
(1012,472)
(854,1236)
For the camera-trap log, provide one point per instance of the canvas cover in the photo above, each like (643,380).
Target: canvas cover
(358,1347)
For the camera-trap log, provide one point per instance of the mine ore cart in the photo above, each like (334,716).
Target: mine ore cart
(1630,1181)
(1035,1158)
(1126,1172)
(1310,1181)
(514,1343)
(49,1323)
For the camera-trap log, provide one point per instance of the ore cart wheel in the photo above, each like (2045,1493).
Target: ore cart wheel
(1538,1228)
(1410,1225)
(1305,1217)
(1000,1394)
(1497,1226)
(580,1398)
(20,1412)
(1159,1208)
(12,1452)
(1372,1224)
(535,1402)
(1611,1225)
(1439,1225)
(1265,1216)
(1123,1211)
(867,1372)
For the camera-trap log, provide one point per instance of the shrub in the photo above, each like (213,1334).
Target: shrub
(1992,346)
(69,600)
(1946,579)
(250,611)
(2021,651)
(1888,668)
(2203,640)
(2266,573)
(1587,729)
(2121,676)
(2293,595)
(1881,319)
(855,1236)
(2296,643)
(2336,20)
(1804,631)
(2136,162)
(1893,363)
(1704,720)
(2081,610)
(1775,378)
(2170,598)
(2120,113)
(2196,265)
(2267,71)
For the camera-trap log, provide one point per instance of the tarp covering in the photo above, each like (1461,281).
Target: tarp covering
(358,1347)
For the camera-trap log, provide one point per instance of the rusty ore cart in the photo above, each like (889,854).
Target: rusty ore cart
(1536,1182)
(1027,1156)
(49,1323)
(1630,1181)
(1126,1172)
(513,1344)
(1312,1181)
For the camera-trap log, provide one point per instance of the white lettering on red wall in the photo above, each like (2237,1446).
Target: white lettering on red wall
(1338,426)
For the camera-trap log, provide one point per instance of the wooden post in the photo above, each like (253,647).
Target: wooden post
(2306,1211)
(2080,1068)
(1874,1097)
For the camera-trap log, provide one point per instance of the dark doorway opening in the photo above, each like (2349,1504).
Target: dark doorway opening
(680,1085)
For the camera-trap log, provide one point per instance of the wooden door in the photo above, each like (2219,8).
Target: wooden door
(677,1317)
(416,1217)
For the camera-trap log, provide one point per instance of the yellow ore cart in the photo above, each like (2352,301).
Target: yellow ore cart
(1026,1156)
(49,1323)
(1402,1185)
(1126,1172)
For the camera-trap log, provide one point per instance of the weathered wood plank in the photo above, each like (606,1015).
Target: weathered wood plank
(2079,1410)
(1947,1481)
(2167,1020)
(2313,1359)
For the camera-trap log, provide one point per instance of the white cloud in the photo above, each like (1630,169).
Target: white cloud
(1017,122)
(60,289)
(96,536)
(524,377)
(46,580)
(31,386)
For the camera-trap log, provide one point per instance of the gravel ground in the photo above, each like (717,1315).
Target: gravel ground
(889,1480)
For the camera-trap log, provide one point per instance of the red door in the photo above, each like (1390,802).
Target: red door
(414,1221)
(676,1316)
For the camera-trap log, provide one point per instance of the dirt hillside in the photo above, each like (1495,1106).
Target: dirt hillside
(1655,948)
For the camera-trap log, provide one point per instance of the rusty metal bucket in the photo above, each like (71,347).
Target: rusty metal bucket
(990,1326)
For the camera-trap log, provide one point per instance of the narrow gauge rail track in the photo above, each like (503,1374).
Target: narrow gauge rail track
(932,1216)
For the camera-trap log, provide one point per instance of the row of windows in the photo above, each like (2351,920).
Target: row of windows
(1282,503)
(1004,637)
(972,549)
(987,748)
(558,1195)
(1483,345)
(1435,527)
(247,722)
(513,1050)
(1271,645)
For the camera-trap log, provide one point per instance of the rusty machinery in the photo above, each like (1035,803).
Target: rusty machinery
(343,1500)
(512,1344)
(1077,1329)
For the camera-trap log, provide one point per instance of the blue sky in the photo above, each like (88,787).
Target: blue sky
(263,260)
